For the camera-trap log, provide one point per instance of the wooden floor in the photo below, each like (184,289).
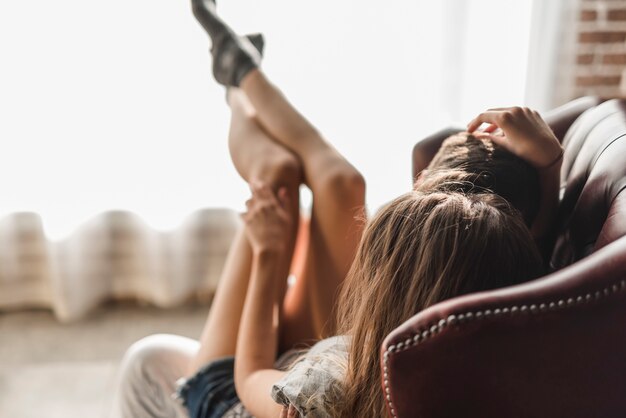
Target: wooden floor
(69,370)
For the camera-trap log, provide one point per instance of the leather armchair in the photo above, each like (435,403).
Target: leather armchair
(553,347)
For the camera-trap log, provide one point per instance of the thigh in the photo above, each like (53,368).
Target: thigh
(321,263)
(254,153)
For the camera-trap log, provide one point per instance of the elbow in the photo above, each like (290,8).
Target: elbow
(243,377)
(244,386)
(240,377)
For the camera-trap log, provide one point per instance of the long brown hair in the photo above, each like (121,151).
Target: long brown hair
(419,249)
(491,167)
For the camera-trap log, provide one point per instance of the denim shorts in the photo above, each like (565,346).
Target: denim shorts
(210,393)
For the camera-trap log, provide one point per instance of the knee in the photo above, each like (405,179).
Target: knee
(143,358)
(145,381)
(345,183)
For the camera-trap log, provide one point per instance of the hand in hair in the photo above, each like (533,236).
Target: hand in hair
(525,134)
(267,219)
(522,131)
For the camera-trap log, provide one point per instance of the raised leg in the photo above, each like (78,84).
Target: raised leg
(256,157)
(336,220)
(338,188)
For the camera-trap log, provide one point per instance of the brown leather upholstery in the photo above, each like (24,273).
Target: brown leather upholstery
(593,176)
(554,347)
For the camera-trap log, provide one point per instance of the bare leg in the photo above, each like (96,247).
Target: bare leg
(256,157)
(338,198)
(338,188)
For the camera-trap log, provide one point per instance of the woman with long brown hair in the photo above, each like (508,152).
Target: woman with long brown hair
(422,248)
(450,236)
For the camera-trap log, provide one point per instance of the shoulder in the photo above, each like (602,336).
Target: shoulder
(315,381)
(339,344)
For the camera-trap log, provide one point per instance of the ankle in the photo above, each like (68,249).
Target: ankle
(250,78)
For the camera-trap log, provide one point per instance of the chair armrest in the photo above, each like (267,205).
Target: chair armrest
(550,347)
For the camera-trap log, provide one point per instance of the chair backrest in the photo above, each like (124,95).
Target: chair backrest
(552,347)
(593,179)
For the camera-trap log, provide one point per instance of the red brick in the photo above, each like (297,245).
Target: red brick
(598,80)
(585,59)
(617,14)
(614,59)
(588,15)
(601,37)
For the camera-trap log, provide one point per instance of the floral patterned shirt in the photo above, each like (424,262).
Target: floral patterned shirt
(313,383)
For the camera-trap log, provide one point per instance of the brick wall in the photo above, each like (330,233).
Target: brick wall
(600,63)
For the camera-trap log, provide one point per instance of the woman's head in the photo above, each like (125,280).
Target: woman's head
(419,249)
(490,167)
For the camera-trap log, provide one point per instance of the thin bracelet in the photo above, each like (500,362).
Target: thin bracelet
(556,160)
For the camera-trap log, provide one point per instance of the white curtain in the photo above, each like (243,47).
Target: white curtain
(113,256)
(111,105)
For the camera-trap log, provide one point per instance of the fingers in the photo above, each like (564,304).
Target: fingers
(498,132)
(500,117)
(261,191)
(493,117)
(245,215)
(293,412)
(512,109)
(265,203)
(289,412)
(496,138)
(491,128)
(262,199)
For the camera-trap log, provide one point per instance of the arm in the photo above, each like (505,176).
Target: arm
(541,229)
(525,134)
(267,225)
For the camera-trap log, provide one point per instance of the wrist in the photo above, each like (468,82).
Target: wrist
(553,165)
(555,160)
(268,252)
